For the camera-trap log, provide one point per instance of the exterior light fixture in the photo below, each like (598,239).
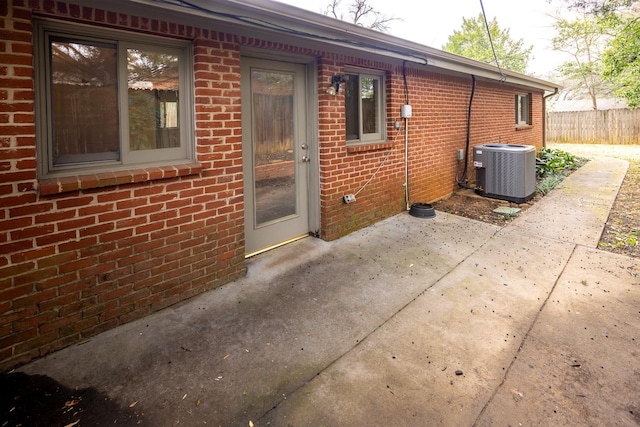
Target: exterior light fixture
(336,82)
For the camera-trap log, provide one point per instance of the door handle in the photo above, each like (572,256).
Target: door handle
(306,159)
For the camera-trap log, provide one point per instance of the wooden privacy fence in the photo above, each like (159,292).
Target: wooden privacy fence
(620,126)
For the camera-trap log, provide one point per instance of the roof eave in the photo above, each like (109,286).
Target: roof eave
(275,17)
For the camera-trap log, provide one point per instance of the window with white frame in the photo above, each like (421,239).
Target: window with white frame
(110,100)
(364,107)
(523,109)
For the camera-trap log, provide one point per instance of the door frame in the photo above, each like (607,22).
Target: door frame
(313,182)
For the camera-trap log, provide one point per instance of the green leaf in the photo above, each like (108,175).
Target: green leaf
(472,41)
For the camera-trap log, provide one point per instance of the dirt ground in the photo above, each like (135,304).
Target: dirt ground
(468,204)
(622,231)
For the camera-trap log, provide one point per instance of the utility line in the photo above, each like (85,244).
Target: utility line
(495,57)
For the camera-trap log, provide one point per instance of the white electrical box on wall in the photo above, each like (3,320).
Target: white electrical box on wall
(405,111)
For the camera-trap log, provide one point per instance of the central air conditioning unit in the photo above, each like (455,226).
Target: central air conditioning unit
(505,171)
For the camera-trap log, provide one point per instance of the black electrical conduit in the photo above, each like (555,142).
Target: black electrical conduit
(463,180)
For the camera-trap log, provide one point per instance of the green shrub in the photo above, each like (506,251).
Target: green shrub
(552,166)
(554,161)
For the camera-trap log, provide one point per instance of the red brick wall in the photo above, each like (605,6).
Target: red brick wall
(81,255)
(81,261)
(437,129)
(440,107)
(344,170)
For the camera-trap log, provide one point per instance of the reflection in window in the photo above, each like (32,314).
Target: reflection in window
(169,114)
(84,101)
(363,107)
(368,93)
(153,83)
(523,102)
(104,101)
(352,107)
(273,152)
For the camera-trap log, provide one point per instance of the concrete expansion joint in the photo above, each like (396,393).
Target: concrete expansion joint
(525,337)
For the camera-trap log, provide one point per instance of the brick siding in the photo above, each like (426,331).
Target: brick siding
(80,255)
(437,129)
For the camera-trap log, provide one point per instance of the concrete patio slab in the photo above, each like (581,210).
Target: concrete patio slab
(579,364)
(371,329)
(473,320)
(238,351)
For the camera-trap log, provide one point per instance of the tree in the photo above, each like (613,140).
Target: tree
(597,7)
(361,12)
(472,41)
(622,62)
(584,40)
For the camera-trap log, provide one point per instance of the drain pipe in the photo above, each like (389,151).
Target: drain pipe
(544,115)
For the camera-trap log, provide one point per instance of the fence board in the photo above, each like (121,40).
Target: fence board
(620,126)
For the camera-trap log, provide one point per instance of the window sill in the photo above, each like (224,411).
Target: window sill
(51,186)
(368,147)
(523,127)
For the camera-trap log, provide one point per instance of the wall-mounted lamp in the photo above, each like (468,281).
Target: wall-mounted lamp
(336,81)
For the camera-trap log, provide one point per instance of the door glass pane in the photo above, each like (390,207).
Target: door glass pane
(273,149)
(84,108)
(153,84)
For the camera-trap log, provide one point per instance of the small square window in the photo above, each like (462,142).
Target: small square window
(523,109)
(107,100)
(364,107)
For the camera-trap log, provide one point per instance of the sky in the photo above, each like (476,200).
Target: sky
(431,22)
